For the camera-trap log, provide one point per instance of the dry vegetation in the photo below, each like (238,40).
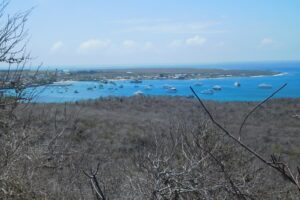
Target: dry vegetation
(151,148)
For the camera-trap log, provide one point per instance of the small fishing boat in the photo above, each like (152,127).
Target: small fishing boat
(172,89)
(217,88)
(138,93)
(198,84)
(265,86)
(148,87)
(207,92)
(237,84)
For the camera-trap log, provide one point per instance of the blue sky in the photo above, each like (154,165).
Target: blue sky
(104,32)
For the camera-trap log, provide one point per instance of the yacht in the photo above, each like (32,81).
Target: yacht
(265,86)
(172,89)
(237,84)
(138,93)
(208,92)
(198,84)
(148,87)
(217,88)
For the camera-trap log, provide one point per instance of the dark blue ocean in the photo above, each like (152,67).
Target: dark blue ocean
(248,90)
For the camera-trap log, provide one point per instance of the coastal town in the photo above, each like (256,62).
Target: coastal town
(154,74)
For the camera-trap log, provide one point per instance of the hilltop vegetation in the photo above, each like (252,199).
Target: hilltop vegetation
(146,147)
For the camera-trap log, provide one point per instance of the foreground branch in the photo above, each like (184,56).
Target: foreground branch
(282,168)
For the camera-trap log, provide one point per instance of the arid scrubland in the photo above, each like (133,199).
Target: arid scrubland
(146,148)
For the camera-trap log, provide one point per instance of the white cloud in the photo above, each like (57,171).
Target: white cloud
(221,44)
(176,43)
(93,45)
(195,41)
(175,27)
(129,44)
(148,45)
(137,21)
(57,46)
(266,42)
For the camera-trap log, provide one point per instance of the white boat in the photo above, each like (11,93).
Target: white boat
(208,92)
(265,86)
(172,89)
(138,93)
(217,88)
(237,84)
(198,84)
(148,87)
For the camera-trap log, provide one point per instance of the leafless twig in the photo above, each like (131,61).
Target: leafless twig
(275,164)
(95,184)
(256,107)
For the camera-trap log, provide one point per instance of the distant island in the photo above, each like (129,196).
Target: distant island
(156,74)
(33,78)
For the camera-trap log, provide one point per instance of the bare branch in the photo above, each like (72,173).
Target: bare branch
(257,106)
(274,164)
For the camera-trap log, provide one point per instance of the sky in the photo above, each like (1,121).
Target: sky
(132,32)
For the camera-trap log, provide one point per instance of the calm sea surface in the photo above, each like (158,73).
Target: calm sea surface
(248,90)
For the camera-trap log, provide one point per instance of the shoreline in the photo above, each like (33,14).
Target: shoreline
(70,82)
(163,97)
(158,74)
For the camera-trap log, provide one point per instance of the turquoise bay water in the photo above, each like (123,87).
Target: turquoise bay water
(248,91)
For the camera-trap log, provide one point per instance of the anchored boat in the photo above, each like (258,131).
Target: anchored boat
(138,93)
(207,92)
(217,88)
(265,86)
(237,84)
